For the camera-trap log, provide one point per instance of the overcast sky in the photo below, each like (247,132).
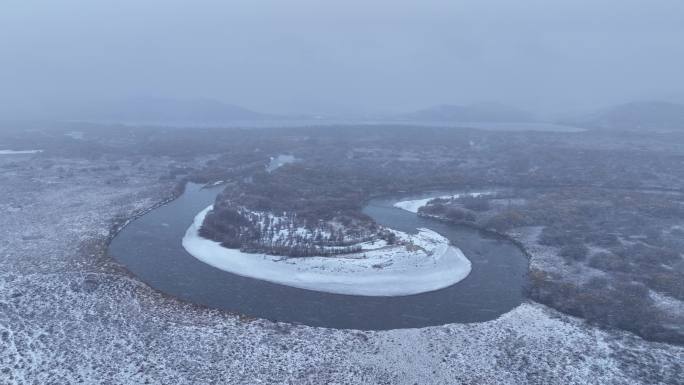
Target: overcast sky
(343,55)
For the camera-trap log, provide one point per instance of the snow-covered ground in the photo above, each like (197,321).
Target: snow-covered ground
(19,152)
(69,314)
(415,204)
(279,161)
(420,263)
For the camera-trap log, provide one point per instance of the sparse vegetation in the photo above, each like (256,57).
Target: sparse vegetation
(59,278)
(619,232)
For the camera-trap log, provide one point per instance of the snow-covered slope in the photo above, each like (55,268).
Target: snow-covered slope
(419,263)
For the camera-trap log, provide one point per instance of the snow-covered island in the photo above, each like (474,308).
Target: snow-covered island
(411,264)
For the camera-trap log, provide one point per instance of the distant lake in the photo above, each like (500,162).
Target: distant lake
(150,247)
(490,126)
(542,127)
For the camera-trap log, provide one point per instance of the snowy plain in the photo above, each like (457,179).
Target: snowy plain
(19,152)
(70,314)
(431,264)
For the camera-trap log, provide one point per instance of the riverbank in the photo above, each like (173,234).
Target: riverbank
(567,254)
(414,205)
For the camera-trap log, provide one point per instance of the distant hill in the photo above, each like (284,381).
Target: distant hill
(159,110)
(635,116)
(482,112)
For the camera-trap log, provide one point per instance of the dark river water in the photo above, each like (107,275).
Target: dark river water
(150,247)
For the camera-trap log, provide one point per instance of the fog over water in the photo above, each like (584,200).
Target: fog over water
(341,57)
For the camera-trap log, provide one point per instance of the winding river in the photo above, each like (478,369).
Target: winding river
(150,247)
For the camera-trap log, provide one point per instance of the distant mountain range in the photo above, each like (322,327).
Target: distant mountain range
(159,111)
(209,112)
(481,112)
(162,111)
(652,115)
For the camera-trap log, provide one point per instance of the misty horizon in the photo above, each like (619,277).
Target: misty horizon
(342,58)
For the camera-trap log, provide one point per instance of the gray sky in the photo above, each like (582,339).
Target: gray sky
(343,55)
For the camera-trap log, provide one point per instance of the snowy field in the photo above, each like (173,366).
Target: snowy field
(379,270)
(279,161)
(19,152)
(69,314)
